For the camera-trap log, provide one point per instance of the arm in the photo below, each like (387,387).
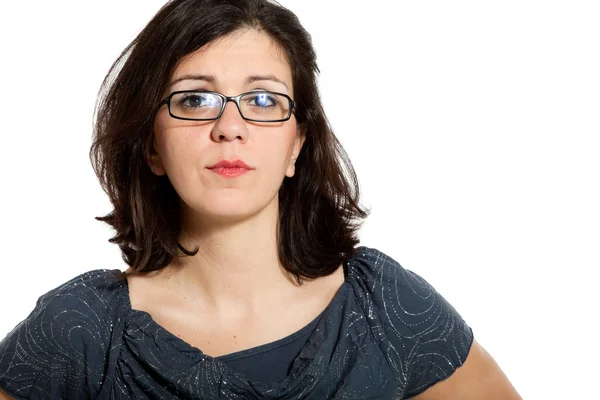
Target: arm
(478,378)
(4,396)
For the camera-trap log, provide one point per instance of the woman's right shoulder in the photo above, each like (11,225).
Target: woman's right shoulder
(66,338)
(101,282)
(93,295)
(88,295)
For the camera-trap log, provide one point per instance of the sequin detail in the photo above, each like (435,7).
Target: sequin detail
(387,334)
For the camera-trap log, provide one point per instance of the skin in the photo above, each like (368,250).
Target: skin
(185,148)
(478,378)
(233,220)
(236,285)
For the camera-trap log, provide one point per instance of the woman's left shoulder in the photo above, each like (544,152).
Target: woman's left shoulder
(424,335)
(385,279)
(389,284)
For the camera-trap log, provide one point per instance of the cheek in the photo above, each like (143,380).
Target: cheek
(279,145)
(180,150)
(171,136)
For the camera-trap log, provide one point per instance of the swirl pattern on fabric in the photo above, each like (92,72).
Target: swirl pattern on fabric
(387,334)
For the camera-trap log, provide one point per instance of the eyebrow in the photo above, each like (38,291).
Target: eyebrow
(207,78)
(211,79)
(255,78)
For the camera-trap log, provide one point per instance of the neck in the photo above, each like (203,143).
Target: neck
(237,268)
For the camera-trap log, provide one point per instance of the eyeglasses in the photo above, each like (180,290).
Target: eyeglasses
(258,106)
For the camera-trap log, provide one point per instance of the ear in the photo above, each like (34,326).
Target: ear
(298,143)
(154,160)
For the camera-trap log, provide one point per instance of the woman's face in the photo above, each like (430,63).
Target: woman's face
(240,62)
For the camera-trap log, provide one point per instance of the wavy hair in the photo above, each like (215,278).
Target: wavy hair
(319,210)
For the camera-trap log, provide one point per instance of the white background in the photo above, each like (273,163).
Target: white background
(476,146)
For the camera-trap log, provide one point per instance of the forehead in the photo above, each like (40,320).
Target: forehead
(234,57)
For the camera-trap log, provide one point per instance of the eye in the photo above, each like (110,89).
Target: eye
(262,99)
(198,99)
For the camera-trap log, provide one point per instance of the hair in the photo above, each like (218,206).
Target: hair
(319,211)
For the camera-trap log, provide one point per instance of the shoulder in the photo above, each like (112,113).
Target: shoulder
(86,304)
(397,292)
(65,338)
(424,336)
(88,292)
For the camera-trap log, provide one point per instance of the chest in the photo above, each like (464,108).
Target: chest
(215,338)
(347,359)
(217,335)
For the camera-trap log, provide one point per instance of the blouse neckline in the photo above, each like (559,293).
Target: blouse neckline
(143,332)
(271,345)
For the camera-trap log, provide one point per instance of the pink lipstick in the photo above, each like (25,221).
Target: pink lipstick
(230,169)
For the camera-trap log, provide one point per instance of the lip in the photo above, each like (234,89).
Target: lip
(230,169)
(230,164)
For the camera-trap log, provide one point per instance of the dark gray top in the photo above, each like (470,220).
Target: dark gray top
(275,360)
(387,334)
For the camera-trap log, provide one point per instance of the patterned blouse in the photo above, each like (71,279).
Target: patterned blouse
(387,334)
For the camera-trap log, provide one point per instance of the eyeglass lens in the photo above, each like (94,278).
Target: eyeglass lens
(262,106)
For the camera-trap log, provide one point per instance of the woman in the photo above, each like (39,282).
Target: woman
(239,225)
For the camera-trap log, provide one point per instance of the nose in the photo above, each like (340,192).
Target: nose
(230,125)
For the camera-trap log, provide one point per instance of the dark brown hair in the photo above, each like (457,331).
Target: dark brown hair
(319,211)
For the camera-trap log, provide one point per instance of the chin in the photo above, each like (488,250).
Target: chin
(229,214)
(228,211)
(232,207)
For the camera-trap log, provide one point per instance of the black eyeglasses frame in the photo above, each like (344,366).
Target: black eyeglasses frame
(226,99)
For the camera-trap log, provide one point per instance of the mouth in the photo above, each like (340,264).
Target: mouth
(230,164)
(230,168)
(230,172)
